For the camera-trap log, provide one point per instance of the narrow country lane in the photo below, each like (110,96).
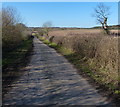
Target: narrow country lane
(50,79)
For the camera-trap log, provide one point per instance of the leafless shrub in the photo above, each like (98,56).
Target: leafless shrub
(12,29)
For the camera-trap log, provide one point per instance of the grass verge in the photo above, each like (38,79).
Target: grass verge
(13,61)
(86,69)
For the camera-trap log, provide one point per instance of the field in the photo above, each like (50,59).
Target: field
(78,32)
(91,51)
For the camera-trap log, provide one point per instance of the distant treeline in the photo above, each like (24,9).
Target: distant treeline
(113,27)
(110,27)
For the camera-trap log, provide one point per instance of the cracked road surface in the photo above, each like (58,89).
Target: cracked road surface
(49,79)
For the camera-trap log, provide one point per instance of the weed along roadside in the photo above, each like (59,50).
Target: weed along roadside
(85,68)
(14,61)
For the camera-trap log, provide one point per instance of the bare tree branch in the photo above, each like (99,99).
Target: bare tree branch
(101,12)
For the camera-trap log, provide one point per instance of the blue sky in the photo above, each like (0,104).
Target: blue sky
(62,14)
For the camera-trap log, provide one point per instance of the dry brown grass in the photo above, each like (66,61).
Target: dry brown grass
(74,32)
(78,32)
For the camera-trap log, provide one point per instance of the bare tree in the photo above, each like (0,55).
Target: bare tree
(9,16)
(101,12)
(47,26)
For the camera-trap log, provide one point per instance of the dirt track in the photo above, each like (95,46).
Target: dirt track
(50,79)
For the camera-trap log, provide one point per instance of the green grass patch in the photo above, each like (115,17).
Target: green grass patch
(117,92)
(41,38)
(64,51)
(14,57)
(53,45)
(46,42)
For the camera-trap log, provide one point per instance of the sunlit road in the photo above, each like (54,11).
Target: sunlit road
(50,79)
